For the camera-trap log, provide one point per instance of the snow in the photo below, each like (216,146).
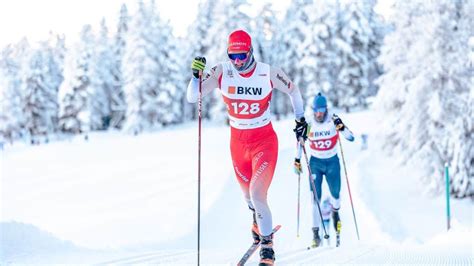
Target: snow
(121,199)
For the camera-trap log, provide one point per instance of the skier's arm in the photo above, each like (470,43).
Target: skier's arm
(210,81)
(341,127)
(347,134)
(281,82)
(297,163)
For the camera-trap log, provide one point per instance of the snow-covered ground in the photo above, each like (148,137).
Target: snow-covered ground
(119,199)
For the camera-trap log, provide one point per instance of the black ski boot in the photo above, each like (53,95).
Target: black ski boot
(316,238)
(337,226)
(267,255)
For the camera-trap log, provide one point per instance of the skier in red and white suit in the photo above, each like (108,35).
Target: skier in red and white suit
(246,87)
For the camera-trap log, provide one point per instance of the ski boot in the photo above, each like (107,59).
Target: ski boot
(267,255)
(316,238)
(337,226)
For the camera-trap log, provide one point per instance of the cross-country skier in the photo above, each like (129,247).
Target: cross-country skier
(246,87)
(323,134)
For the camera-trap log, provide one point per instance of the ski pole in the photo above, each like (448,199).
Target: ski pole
(326,236)
(348,187)
(298,209)
(298,206)
(448,206)
(199,168)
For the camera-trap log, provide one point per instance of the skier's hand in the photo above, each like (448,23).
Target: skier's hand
(338,122)
(297,166)
(301,129)
(198,64)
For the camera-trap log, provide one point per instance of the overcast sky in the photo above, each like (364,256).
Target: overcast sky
(36,18)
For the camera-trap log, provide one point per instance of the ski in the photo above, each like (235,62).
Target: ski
(338,234)
(253,248)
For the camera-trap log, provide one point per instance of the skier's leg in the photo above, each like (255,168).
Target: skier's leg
(333,177)
(316,170)
(243,171)
(264,159)
(265,155)
(242,167)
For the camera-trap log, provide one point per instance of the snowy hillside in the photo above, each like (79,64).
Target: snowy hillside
(120,199)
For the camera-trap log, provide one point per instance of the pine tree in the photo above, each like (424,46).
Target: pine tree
(75,115)
(168,79)
(264,40)
(201,34)
(426,89)
(102,80)
(149,95)
(12,116)
(41,78)
(55,54)
(118,105)
(320,58)
(290,38)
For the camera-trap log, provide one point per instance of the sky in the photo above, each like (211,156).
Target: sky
(36,18)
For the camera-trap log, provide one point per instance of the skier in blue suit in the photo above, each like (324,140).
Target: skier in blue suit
(323,135)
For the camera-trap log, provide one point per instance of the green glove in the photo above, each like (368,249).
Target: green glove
(199,63)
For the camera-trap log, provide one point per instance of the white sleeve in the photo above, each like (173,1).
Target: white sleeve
(210,81)
(297,103)
(281,82)
(347,134)
(298,150)
(192,93)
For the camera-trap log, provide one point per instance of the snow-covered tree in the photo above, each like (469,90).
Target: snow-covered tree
(319,56)
(75,92)
(170,91)
(338,50)
(12,97)
(41,78)
(352,42)
(292,34)
(264,40)
(102,80)
(199,43)
(426,91)
(118,105)
(149,64)
(55,56)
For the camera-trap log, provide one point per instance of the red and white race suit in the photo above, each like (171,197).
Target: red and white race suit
(253,144)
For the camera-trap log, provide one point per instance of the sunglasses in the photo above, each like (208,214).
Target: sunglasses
(241,56)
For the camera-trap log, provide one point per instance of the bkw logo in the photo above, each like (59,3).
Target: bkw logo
(244,90)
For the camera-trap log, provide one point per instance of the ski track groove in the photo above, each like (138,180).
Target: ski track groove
(149,257)
(287,258)
(357,257)
(312,257)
